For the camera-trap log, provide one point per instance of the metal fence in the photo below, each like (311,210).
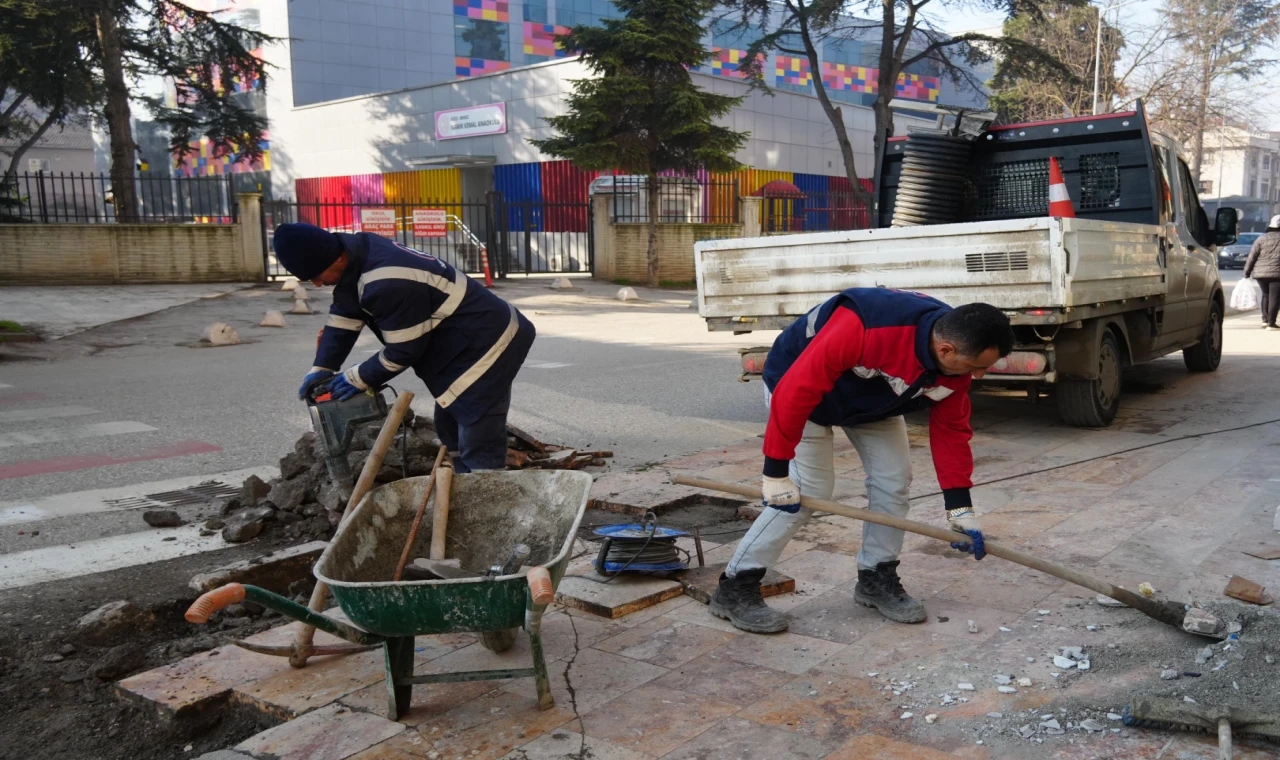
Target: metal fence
(814,212)
(528,237)
(88,198)
(687,200)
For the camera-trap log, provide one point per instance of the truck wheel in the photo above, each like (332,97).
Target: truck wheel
(1093,403)
(1206,355)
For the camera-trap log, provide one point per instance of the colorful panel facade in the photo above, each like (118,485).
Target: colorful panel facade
(483,10)
(472,67)
(917,87)
(540,40)
(792,70)
(730,62)
(204,163)
(839,76)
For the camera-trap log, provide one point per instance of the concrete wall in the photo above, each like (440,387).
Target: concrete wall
(622,250)
(130,254)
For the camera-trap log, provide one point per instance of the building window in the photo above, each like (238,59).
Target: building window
(1266,162)
(1253,188)
(1266,189)
(37,165)
(480,40)
(1206,186)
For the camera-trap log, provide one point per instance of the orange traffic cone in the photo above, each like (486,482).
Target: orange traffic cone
(484,262)
(1059,200)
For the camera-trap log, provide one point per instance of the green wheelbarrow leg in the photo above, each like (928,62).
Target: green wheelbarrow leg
(533,625)
(398,651)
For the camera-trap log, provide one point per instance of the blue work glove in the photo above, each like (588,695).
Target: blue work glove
(313,379)
(780,493)
(341,388)
(965,521)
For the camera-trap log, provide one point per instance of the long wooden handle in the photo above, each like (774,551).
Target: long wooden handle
(368,475)
(417,518)
(440,515)
(1156,610)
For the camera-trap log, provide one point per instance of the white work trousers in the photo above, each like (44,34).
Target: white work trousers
(885,454)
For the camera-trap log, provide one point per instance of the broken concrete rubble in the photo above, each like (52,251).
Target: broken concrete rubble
(162,518)
(113,622)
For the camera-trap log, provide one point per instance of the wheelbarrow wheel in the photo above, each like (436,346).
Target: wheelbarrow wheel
(499,641)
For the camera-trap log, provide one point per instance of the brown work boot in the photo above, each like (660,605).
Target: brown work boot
(881,589)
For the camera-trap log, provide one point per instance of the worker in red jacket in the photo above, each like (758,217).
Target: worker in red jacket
(860,362)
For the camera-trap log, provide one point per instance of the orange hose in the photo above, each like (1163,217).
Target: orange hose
(212,601)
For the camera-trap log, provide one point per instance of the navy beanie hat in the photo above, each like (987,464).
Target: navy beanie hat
(306,250)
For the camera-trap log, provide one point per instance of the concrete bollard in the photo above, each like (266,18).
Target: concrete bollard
(562,283)
(694,303)
(272,319)
(220,334)
(300,293)
(300,307)
(627,294)
(289,283)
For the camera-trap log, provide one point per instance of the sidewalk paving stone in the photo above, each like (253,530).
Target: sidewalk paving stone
(655,720)
(736,738)
(788,652)
(716,674)
(485,728)
(561,744)
(331,733)
(597,677)
(666,642)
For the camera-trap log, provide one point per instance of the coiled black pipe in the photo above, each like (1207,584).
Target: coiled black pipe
(931,186)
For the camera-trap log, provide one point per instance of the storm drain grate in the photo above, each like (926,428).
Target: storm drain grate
(201,493)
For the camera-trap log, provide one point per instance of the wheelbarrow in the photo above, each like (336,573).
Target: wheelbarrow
(491,513)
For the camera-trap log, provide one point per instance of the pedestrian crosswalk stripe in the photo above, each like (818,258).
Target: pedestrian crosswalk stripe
(44,413)
(53,435)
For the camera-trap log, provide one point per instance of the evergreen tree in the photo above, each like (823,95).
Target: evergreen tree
(641,113)
(119,41)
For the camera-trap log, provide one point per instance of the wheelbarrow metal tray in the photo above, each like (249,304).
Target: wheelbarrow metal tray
(490,513)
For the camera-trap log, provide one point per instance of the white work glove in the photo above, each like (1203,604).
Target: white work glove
(781,493)
(965,521)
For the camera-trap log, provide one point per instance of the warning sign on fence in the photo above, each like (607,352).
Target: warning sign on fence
(429,222)
(379,221)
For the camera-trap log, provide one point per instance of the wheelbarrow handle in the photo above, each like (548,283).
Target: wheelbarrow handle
(233,593)
(212,601)
(541,590)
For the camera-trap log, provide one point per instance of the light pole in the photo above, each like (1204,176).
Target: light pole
(1097,50)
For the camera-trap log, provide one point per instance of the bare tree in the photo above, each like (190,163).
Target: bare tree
(906,37)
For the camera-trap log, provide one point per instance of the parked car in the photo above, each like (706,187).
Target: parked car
(1234,256)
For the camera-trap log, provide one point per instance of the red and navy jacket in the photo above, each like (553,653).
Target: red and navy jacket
(864,356)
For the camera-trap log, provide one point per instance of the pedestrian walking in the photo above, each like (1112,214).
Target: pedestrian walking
(464,342)
(1263,265)
(860,362)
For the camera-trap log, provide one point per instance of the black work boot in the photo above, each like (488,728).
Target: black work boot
(738,600)
(880,588)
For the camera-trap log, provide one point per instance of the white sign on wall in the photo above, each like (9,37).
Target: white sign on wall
(471,122)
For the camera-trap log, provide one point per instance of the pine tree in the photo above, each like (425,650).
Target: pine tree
(641,113)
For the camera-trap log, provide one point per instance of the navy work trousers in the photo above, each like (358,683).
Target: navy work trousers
(481,445)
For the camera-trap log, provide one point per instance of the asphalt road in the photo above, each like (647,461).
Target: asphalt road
(644,379)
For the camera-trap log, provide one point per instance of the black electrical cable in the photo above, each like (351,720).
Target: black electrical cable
(1131,449)
(652,550)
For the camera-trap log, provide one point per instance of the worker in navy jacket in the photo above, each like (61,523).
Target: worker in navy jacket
(860,362)
(464,342)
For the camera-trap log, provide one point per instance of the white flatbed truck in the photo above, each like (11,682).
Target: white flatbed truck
(1133,278)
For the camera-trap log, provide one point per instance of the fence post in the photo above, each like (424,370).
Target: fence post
(527,218)
(253,252)
(44,209)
